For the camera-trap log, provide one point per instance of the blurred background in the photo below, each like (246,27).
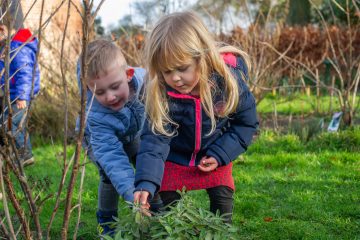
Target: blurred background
(305,54)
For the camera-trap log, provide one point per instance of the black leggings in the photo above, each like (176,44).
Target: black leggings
(221,198)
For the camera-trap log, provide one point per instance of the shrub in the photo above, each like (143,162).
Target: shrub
(307,129)
(183,221)
(271,142)
(348,140)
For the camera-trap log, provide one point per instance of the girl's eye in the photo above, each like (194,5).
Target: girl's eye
(183,68)
(167,72)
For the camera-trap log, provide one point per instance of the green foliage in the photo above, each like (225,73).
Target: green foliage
(334,11)
(182,221)
(47,117)
(297,104)
(299,12)
(348,140)
(307,129)
(271,142)
(285,189)
(308,194)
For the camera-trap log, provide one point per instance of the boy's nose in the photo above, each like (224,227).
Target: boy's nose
(110,97)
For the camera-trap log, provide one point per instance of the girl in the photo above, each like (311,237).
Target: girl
(201,115)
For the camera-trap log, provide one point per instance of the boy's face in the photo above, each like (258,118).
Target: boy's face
(3,33)
(112,90)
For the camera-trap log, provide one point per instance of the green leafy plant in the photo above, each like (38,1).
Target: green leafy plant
(181,221)
(307,129)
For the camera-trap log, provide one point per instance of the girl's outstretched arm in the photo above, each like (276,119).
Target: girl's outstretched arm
(150,160)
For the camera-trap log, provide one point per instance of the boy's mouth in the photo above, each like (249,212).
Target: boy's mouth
(116,104)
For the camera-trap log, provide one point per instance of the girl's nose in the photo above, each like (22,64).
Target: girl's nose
(175,77)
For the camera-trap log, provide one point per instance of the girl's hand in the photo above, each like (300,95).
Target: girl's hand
(141,198)
(208,164)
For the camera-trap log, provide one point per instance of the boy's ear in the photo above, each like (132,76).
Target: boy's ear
(129,73)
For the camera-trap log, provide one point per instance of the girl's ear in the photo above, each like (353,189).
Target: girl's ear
(129,73)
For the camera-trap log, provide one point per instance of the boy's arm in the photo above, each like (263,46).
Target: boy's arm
(23,64)
(111,156)
(154,149)
(243,124)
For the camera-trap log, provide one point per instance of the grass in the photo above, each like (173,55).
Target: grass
(298,104)
(285,189)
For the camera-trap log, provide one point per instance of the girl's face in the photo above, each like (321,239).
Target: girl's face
(183,78)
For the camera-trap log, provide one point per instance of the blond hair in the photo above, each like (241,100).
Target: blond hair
(175,39)
(101,55)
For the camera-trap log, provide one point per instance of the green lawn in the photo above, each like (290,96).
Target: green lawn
(285,189)
(297,104)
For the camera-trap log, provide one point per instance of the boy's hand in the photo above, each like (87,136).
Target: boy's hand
(141,197)
(21,104)
(208,164)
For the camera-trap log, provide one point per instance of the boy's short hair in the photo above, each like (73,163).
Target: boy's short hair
(101,55)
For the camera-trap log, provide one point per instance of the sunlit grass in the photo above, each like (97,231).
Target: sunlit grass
(285,189)
(298,104)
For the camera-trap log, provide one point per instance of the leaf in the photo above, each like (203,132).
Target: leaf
(233,229)
(118,235)
(208,236)
(106,237)
(168,229)
(138,217)
(192,219)
(157,235)
(268,219)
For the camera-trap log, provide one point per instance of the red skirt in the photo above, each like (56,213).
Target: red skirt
(177,176)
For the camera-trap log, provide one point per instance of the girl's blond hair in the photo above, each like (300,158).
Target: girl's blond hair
(176,39)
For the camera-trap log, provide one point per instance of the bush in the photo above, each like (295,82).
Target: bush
(307,129)
(183,221)
(271,142)
(348,140)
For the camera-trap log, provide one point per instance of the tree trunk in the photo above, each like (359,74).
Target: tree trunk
(299,12)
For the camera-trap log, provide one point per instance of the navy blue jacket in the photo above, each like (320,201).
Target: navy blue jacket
(191,142)
(21,67)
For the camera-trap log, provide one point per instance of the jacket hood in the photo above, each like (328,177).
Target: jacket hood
(22,36)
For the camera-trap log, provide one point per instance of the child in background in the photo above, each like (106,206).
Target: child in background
(23,49)
(200,114)
(113,125)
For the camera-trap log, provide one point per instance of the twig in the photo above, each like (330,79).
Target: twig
(5,205)
(83,167)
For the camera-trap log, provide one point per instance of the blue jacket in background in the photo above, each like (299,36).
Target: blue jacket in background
(110,130)
(191,142)
(22,66)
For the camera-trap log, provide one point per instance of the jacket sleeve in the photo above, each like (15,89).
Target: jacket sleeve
(154,149)
(242,125)
(111,156)
(22,65)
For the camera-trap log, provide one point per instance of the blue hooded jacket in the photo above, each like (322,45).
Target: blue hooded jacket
(110,130)
(22,66)
(191,142)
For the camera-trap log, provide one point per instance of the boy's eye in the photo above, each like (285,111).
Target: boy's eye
(99,93)
(115,87)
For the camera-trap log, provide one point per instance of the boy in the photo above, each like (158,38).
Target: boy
(113,125)
(20,85)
